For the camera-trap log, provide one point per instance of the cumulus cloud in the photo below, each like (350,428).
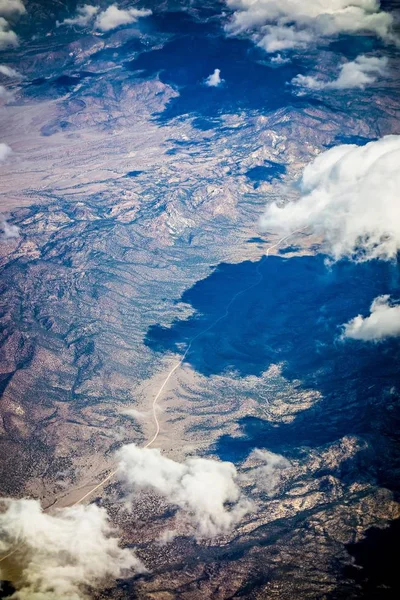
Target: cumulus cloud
(7,231)
(7,36)
(61,555)
(113,17)
(268,474)
(359,73)
(106,20)
(382,322)
(214,80)
(9,72)
(10,7)
(350,196)
(205,491)
(84,16)
(279,60)
(277,38)
(290,24)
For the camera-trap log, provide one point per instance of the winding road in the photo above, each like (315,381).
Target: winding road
(181,360)
(172,371)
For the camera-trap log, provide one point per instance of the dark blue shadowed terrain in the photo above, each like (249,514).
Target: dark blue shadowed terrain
(127,206)
(352,46)
(133,173)
(352,139)
(191,54)
(294,317)
(267,172)
(375,567)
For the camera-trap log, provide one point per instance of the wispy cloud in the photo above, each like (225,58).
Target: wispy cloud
(7,231)
(83,17)
(359,73)
(6,95)
(267,474)
(5,151)
(10,72)
(106,20)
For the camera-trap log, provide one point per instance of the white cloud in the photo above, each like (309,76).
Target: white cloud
(9,72)
(214,80)
(7,36)
(105,20)
(7,231)
(135,414)
(350,196)
(6,95)
(289,24)
(5,151)
(84,15)
(205,491)
(113,17)
(10,7)
(280,60)
(382,322)
(355,74)
(268,475)
(278,38)
(61,554)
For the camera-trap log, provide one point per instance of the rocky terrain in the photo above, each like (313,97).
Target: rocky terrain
(137,215)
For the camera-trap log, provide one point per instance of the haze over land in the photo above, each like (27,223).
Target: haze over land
(199,240)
